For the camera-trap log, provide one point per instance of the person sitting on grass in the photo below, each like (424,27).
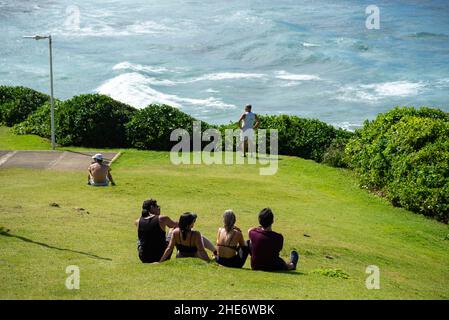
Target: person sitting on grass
(189,243)
(265,246)
(151,232)
(232,249)
(99,172)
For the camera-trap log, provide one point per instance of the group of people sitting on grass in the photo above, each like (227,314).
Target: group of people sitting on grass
(264,245)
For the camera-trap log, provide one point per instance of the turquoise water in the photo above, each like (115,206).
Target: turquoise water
(209,58)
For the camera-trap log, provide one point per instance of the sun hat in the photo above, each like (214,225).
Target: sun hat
(98,156)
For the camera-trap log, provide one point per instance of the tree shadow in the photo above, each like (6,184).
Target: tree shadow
(6,233)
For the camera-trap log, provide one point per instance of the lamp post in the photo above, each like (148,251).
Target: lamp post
(52,103)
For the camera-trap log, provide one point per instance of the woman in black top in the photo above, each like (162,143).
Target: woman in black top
(189,243)
(232,248)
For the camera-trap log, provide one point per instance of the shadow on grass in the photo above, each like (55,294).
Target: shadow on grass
(290,273)
(5,233)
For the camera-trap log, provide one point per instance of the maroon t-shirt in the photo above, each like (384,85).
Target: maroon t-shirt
(266,246)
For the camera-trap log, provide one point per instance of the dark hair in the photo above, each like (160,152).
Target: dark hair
(185,220)
(145,213)
(266,217)
(146,206)
(248,106)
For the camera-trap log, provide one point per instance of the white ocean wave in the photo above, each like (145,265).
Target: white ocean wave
(309,45)
(150,27)
(134,88)
(138,67)
(376,91)
(219,76)
(98,28)
(396,88)
(349,126)
(243,17)
(228,76)
(284,75)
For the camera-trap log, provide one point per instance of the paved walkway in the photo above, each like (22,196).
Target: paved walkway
(56,160)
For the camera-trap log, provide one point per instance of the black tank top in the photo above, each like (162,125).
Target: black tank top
(152,238)
(186,250)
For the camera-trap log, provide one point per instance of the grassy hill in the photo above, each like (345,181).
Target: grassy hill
(349,229)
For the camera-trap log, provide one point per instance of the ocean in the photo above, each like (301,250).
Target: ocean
(314,59)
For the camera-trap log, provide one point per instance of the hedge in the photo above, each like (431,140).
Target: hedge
(405,154)
(17,103)
(150,128)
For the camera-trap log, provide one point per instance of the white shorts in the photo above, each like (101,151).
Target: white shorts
(248,134)
(104,184)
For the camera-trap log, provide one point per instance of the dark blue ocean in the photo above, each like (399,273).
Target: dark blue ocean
(210,58)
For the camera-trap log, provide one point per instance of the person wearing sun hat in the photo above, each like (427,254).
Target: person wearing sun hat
(99,172)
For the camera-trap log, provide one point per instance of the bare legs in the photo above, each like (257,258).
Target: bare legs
(207,244)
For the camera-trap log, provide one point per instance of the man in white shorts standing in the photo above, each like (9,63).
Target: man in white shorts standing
(248,122)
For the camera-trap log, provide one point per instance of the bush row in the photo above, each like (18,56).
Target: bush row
(94,120)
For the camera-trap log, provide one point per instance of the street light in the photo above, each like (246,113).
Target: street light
(52,121)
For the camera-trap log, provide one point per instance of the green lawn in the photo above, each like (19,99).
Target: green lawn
(357,229)
(17,142)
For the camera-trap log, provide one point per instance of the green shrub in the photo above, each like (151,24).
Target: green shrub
(93,120)
(332,273)
(405,154)
(305,138)
(365,151)
(38,122)
(151,127)
(17,103)
(335,153)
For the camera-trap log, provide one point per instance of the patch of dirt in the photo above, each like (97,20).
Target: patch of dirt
(81,210)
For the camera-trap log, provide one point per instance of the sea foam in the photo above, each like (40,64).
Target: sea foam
(376,91)
(284,75)
(134,88)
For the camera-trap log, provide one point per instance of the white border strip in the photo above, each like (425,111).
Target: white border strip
(6,157)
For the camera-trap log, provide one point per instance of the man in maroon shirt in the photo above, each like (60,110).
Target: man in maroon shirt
(266,244)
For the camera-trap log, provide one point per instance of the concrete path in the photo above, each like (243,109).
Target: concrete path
(56,160)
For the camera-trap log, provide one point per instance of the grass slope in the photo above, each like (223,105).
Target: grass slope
(10,141)
(357,229)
